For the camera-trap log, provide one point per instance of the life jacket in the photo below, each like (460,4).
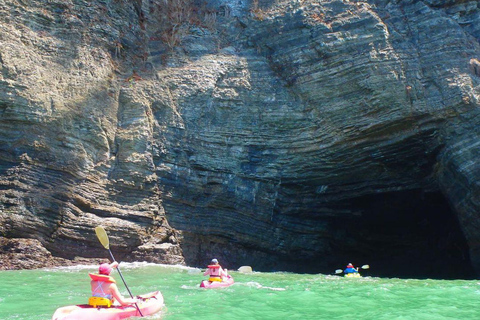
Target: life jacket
(350,270)
(101,277)
(214,273)
(99,297)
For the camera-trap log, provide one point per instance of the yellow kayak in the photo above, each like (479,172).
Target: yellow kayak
(353,275)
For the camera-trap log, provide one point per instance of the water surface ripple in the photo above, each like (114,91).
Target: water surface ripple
(35,295)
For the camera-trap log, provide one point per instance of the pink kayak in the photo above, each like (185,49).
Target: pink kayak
(151,303)
(226,282)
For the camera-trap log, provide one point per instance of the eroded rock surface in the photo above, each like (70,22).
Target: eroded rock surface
(31,254)
(263,135)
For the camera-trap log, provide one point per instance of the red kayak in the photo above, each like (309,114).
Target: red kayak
(151,303)
(226,282)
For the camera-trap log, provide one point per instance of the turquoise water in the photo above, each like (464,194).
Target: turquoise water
(35,295)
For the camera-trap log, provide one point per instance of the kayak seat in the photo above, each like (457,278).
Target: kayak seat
(215,279)
(99,302)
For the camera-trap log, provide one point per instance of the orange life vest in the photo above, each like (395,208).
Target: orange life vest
(101,277)
(214,273)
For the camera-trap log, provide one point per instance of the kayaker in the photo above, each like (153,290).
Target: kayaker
(104,288)
(215,271)
(350,269)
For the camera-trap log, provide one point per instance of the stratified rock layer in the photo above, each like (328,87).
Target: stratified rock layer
(311,132)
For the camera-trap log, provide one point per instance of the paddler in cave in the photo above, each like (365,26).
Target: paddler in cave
(104,289)
(215,271)
(350,269)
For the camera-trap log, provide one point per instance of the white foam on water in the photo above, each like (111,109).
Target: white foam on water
(259,286)
(125,265)
(71,268)
(190,287)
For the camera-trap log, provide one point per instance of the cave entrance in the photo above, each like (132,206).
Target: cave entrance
(409,234)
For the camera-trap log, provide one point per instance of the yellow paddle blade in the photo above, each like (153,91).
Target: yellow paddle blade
(102,236)
(365,266)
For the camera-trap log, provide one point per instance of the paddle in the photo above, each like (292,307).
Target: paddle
(103,238)
(365,266)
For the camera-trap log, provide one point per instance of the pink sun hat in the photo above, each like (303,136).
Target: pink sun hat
(105,269)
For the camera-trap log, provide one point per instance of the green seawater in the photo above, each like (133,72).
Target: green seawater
(36,294)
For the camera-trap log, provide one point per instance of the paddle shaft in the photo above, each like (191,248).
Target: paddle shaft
(120,273)
(121,276)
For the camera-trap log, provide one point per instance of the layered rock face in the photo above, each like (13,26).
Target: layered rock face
(74,146)
(289,136)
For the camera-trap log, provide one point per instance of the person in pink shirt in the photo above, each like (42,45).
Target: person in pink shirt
(215,271)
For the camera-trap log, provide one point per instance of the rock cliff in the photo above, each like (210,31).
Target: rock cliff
(294,135)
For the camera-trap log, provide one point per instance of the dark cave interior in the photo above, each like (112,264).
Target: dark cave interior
(409,234)
(403,234)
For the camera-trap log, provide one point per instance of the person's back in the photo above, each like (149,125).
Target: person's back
(104,289)
(215,271)
(101,287)
(350,269)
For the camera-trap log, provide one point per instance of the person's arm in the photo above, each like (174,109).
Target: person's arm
(223,272)
(118,296)
(207,272)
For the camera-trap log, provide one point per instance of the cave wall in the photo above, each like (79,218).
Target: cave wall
(256,135)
